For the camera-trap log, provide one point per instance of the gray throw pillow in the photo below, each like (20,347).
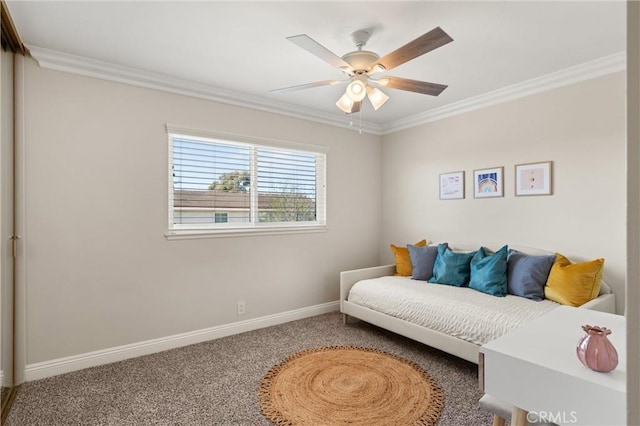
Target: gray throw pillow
(527,275)
(422,260)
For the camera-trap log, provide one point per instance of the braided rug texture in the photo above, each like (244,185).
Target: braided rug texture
(348,385)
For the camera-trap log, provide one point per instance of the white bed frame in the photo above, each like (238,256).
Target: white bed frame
(605,302)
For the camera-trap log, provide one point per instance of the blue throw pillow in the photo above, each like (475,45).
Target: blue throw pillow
(489,272)
(422,259)
(528,274)
(451,268)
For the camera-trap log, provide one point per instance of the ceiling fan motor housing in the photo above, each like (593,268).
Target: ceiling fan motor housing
(361,60)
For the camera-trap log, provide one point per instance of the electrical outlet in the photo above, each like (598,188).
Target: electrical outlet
(241,307)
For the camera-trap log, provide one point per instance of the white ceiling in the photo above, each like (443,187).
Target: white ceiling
(241,47)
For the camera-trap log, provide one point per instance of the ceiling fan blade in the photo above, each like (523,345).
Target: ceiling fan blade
(308,86)
(423,44)
(315,48)
(412,85)
(356,107)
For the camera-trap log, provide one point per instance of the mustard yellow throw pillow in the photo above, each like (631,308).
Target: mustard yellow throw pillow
(403,260)
(573,284)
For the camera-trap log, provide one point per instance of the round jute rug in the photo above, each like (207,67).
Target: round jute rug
(347,385)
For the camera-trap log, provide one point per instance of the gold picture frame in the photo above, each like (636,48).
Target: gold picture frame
(452,186)
(534,178)
(488,183)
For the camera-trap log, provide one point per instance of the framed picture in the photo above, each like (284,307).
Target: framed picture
(452,186)
(533,178)
(488,183)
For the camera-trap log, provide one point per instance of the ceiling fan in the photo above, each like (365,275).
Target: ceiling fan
(360,65)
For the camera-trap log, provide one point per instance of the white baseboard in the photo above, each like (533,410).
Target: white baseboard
(54,367)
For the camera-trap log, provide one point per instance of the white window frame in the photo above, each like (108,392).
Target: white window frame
(191,231)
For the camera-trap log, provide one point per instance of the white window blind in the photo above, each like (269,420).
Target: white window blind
(225,185)
(286,186)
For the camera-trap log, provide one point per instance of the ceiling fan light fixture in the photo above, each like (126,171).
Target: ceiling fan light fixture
(345,104)
(356,90)
(377,97)
(377,68)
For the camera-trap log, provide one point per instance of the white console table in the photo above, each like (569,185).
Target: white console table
(535,369)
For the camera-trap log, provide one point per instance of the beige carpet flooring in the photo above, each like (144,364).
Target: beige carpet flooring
(216,382)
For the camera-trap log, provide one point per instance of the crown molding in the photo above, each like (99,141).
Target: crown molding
(588,70)
(80,65)
(60,61)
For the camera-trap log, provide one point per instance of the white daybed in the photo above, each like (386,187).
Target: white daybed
(394,303)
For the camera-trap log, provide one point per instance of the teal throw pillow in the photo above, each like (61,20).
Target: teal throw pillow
(489,272)
(451,268)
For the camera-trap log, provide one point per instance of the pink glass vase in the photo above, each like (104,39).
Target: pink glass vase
(595,350)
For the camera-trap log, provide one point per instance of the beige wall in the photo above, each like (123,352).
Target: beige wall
(581,128)
(633,211)
(99,271)
(100,276)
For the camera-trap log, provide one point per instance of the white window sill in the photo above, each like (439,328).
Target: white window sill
(190,234)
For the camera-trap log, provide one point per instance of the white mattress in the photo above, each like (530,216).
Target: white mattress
(456,311)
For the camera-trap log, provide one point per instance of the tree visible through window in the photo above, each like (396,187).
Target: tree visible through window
(228,184)
(237,181)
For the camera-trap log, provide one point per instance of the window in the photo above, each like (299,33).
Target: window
(221,218)
(227,185)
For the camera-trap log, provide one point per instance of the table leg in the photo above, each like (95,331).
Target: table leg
(519,417)
(497,421)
